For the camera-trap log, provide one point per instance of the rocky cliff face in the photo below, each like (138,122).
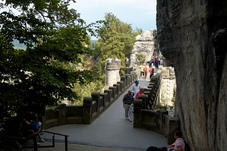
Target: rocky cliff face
(145,44)
(168,86)
(192,36)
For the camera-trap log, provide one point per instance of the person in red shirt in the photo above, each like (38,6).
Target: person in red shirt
(145,71)
(155,60)
(140,92)
(151,72)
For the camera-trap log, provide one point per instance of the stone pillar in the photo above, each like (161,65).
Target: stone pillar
(117,90)
(123,80)
(126,80)
(87,117)
(137,122)
(112,71)
(119,87)
(105,99)
(108,92)
(96,98)
(144,99)
(112,93)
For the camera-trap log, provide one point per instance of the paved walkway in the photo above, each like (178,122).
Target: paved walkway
(112,130)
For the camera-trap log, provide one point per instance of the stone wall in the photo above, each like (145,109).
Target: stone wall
(192,37)
(92,107)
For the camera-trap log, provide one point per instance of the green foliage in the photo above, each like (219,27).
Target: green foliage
(140,58)
(87,89)
(116,40)
(56,42)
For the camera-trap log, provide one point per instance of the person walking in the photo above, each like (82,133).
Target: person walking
(135,88)
(145,71)
(127,101)
(151,72)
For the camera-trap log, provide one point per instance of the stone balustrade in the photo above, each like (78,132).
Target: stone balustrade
(92,107)
(146,116)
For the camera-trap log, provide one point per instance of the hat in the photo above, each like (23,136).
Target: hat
(136,81)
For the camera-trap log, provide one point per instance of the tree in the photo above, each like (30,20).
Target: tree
(140,58)
(43,73)
(116,40)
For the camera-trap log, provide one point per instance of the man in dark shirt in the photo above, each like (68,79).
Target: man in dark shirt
(127,101)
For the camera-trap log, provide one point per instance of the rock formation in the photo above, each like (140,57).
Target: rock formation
(192,36)
(168,86)
(145,44)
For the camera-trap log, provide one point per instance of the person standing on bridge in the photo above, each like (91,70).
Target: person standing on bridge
(127,101)
(151,72)
(145,71)
(135,88)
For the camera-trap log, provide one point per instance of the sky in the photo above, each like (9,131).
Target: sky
(138,13)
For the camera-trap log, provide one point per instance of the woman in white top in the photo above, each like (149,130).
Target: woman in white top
(135,88)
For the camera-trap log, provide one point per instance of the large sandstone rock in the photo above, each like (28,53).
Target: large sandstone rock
(168,86)
(145,44)
(192,37)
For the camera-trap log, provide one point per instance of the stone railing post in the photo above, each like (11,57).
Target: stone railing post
(112,93)
(119,87)
(123,79)
(105,99)
(144,99)
(127,80)
(108,92)
(137,122)
(96,97)
(130,79)
(116,90)
(62,113)
(87,107)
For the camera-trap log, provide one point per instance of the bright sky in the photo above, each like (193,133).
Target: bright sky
(138,13)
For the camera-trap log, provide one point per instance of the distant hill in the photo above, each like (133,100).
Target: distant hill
(22,46)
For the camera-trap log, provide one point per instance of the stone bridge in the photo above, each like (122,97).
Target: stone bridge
(100,121)
(92,106)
